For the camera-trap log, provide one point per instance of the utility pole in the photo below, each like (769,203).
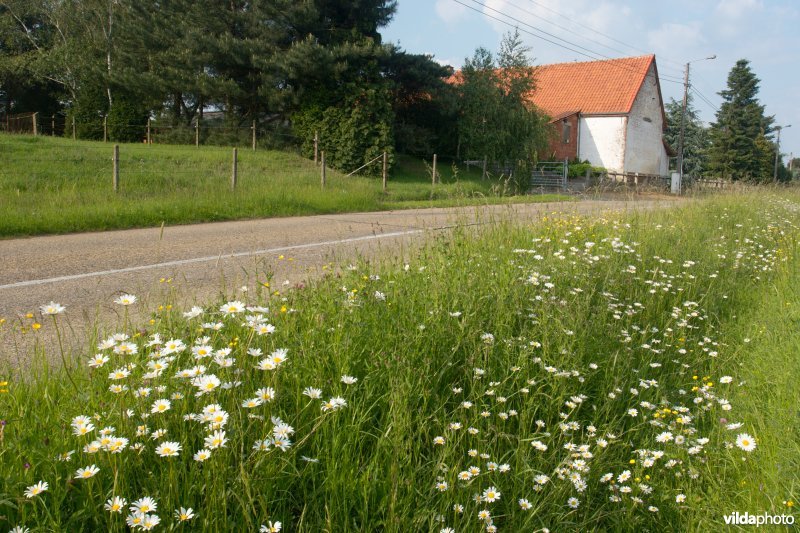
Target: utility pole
(683,112)
(778,151)
(683,120)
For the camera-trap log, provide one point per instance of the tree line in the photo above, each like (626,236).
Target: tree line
(312,67)
(316,68)
(739,144)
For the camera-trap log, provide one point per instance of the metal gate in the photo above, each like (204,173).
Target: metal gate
(549,175)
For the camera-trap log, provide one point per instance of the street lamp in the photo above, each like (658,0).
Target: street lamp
(778,150)
(683,111)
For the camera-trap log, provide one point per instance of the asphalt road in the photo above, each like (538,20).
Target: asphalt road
(85,272)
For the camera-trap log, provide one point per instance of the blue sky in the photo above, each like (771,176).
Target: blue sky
(766,32)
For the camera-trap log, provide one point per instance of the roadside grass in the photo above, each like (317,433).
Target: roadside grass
(579,357)
(54,185)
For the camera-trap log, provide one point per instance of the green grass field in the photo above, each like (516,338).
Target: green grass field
(624,373)
(54,185)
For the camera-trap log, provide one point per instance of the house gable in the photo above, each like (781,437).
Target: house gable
(591,87)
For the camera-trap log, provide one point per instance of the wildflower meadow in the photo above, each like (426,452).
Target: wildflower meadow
(614,372)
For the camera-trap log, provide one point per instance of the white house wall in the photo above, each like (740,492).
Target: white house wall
(602,141)
(644,149)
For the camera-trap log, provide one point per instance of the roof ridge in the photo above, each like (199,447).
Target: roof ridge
(594,61)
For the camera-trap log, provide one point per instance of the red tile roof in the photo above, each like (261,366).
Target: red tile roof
(591,87)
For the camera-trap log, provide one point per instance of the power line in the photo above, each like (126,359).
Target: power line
(632,47)
(568,30)
(703,98)
(516,26)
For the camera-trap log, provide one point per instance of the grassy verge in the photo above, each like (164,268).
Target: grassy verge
(570,376)
(53,185)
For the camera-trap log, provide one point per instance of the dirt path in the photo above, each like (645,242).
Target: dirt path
(85,272)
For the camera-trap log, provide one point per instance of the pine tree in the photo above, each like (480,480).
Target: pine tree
(741,136)
(695,137)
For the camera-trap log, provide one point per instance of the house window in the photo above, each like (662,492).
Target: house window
(566,131)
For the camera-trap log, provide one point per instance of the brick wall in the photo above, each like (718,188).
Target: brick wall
(560,150)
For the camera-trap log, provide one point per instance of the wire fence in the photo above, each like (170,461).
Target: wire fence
(199,131)
(213,131)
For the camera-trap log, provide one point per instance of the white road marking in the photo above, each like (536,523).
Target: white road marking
(207,258)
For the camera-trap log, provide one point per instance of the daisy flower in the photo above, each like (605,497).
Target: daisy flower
(160,406)
(168,449)
(573,502)
(52,309)
(183,514)
(252,402)
(206,384)
(193,313)
(313,393)
(86,473)
(746,442)
(149,521)
(98,360)
(216,440)
(144,505)
(37,489)
(126,299)
(491,495)
(231,308)
(524,504)
(201,455)
(115,504)
(271,527)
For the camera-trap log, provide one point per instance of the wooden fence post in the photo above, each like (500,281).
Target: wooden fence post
(483,172)
(322,177)
(316,146)
(433,173)
(235,169)
(385,163)
(149,141)
(74,136)
(254,135)
(197,131)
(115,168)
(35,126)
(105,129)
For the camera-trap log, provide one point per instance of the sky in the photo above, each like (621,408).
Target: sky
(765,32)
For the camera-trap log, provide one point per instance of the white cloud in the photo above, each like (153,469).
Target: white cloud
(603,16)
(735,9)
(733,15)
(450,12)
(570,20)
(455,63)
(681,41)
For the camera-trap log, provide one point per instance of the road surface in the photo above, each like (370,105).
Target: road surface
(86,271)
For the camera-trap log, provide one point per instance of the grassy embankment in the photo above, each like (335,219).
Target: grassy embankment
(54,185)
(616,373)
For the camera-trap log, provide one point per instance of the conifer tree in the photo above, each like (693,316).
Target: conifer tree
(695,137)
(741,142)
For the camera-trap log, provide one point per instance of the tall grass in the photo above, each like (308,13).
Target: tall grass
(53,185)
(579,364)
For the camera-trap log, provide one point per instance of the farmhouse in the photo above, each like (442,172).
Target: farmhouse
(607,112)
